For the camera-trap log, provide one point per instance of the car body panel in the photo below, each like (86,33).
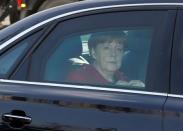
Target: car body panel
(173,113)
(173,108)
(67,107)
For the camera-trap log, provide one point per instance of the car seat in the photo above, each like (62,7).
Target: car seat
(135,59)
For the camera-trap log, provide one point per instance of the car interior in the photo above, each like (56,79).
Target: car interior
(69,56)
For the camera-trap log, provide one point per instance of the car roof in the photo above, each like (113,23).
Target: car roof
(49,13)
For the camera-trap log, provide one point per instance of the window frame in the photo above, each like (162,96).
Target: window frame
(22,64)
(15,44)
(152,80)
(177,61)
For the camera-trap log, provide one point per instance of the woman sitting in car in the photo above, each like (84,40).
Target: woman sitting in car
(106,50)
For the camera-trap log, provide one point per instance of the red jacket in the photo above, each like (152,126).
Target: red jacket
(87,74)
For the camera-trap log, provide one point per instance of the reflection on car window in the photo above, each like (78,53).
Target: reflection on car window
(12,56)
(9,58)
(106,57)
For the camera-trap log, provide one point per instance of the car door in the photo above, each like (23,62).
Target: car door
(43,98)
(173,107)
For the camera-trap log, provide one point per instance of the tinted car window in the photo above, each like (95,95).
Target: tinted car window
(66,49)
(72,59)
(9,58)
(12,56)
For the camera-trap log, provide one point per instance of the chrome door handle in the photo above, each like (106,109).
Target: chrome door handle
(9,118)
(16,120)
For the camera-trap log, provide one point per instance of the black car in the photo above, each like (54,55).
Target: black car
(38,53)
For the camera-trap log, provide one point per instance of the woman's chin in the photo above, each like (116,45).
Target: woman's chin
(112,69)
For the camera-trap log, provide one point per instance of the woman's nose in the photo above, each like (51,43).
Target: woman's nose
(113,52)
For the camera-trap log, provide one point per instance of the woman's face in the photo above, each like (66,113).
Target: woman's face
(108,56)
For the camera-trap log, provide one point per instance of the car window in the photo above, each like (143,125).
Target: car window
(88,51)
(11,57)
(73,62)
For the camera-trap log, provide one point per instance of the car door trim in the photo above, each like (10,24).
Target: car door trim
(26,118)
(175,95)
(83,87)
(81,11)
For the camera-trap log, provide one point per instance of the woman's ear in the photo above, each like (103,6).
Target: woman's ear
(93,53)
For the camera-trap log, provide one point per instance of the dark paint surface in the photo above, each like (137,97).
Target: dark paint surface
(61,108)
(173,115)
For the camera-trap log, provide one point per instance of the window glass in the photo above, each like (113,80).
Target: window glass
(8,59)
(111,54)
(13,55)
(110,57)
